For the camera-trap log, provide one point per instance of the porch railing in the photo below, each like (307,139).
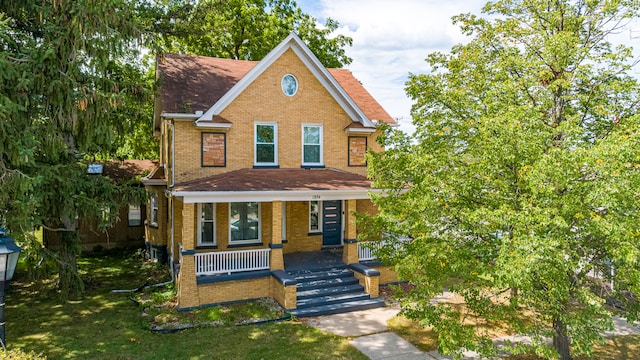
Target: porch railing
(367,249)
(227,262)
(365,252)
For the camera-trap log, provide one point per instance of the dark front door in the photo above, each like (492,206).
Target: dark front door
(331,223)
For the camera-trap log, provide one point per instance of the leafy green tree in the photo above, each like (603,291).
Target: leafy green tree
(244,29)
(521,183)
(67,95)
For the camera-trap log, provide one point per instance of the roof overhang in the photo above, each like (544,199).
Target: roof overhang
(360,130)
(180,116)
(191,197)
(212,125)
(153,182)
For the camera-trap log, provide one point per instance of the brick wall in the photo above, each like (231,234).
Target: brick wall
(312,104)
(298,237)
(234,290)
(213,149)
(387,274)
(157,235)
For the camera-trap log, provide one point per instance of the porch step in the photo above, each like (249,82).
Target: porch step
(353,288)
(331,299)
(330,291)
(339,308)
(306,276)
(325,283)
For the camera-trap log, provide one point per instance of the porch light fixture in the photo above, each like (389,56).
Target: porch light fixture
(9,253)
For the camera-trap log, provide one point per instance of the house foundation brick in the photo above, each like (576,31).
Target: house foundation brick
(236,290)
(276,260)
(387,274)
(286,296)
(188,289)
(370,284)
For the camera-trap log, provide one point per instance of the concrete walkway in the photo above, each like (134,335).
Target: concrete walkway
(369,333)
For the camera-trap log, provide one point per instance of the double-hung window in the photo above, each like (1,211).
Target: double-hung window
(153,210)
(244,223)
(207,224)
(266,144)
(312,145)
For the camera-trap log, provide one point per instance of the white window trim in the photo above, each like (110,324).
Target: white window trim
(321,163)
(275,143)
(250,241)
(153,204)
(134,209)
(319,230)
(215,240)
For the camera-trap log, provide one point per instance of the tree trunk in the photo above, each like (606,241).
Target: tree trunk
(69,282)
(561,340)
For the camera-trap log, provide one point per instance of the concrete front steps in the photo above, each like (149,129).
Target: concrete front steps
(330,291)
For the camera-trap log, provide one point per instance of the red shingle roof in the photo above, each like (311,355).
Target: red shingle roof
(192,83)
(361,96)
(278,180)
(127,169)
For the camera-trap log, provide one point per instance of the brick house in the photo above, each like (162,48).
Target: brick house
(262,166)
(128,231)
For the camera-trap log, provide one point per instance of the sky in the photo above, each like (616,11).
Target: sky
(391,39)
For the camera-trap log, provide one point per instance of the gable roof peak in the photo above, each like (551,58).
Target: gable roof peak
(293,42)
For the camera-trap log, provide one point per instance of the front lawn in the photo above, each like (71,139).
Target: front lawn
(617,348)
(108,325)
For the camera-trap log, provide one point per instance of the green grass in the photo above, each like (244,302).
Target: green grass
(617,348)
(107,325)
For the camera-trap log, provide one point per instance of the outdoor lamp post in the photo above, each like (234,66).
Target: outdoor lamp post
(9,253)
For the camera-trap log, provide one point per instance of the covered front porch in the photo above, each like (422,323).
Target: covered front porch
(239,261)
(309,283)
(312,283)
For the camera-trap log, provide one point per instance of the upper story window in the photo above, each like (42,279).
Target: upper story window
(266,144)
(289,85)
(207,224)
(357,151)
(312,151)
(214,152)
(153,210)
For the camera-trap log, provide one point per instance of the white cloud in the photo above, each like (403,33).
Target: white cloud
(392,39)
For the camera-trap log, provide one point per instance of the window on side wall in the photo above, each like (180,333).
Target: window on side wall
(266,144)
(153,210)
(134,215)
(244,223)
(312,149)
(357,151)
(314,216)
(207,224)
(214,149)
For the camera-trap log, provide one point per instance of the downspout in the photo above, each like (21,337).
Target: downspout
(173,152)
(167,194)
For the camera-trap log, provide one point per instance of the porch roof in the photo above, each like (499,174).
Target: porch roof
(275,184)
